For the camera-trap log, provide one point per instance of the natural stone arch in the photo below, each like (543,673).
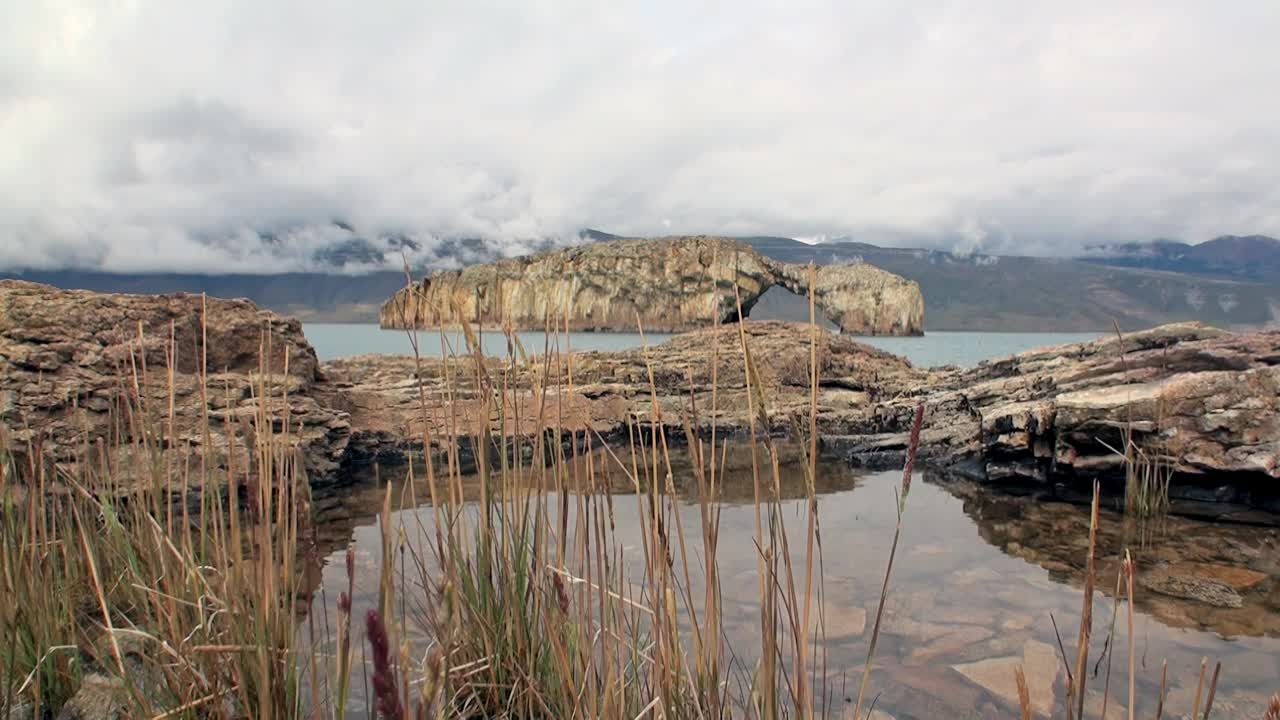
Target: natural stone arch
(667,284)
(858,297)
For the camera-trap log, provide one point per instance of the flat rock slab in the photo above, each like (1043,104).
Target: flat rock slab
(1040,665)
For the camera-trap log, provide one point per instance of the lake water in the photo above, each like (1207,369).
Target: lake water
(980,580)
(966,349)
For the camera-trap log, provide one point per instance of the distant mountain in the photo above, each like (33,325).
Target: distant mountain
(1226,282)
(1251,257)
(323,297)
(350,279)
(1012,293)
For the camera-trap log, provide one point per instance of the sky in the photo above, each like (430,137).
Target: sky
(147,135)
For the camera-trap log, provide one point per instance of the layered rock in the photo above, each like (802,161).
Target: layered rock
(395,401)
(667,284)
(1190,401)
(1187,400)
(1196,403)
(78,367)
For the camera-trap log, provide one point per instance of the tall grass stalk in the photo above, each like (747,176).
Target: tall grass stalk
(104,573)
(177,573)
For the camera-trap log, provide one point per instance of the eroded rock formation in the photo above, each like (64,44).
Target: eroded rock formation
(1201,403)
(77,367)
(667,284)
(1196,402)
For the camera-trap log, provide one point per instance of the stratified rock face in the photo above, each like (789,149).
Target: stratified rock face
(1206,403)
(667,284)
(73,363)
(1193,400)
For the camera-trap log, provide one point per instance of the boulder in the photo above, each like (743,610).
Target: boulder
(665,285)
(104,693)
(78,367)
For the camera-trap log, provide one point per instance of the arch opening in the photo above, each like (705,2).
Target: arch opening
(780,303)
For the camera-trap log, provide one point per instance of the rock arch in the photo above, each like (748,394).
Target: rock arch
(665,285)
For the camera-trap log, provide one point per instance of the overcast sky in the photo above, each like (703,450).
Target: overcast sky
(152,134)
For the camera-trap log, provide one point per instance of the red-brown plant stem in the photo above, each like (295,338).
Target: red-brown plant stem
(384,672)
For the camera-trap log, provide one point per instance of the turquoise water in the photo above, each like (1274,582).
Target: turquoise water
(337,340)
(968,348)
(332,340)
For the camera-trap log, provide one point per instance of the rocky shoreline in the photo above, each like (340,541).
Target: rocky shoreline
(1202,404)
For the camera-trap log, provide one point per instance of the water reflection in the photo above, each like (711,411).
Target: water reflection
(980,580)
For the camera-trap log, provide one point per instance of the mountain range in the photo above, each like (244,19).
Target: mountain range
(1231,281)
(1251,258)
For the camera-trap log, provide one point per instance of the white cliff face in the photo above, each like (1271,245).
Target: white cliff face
(667,284)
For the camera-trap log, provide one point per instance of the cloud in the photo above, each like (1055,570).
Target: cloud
(145,135)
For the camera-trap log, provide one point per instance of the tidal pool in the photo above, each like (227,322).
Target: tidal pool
(981,579)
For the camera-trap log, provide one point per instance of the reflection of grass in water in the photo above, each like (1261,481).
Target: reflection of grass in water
(527,600)
(1147,477)
(1148,468)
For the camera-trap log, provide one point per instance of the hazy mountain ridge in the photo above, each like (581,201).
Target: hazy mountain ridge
(350,272)
(1248,257)
(1136,285)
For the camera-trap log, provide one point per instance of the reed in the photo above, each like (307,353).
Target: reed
(1148,465)
(177,577)
(107,572)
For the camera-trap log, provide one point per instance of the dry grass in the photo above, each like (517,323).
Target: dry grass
(185,609)
(530,606)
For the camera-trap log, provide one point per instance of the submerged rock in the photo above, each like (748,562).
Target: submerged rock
(665,285)
(1216,585)
(1190,587)
(1039,662)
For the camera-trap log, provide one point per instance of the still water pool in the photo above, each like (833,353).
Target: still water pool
(980,582)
